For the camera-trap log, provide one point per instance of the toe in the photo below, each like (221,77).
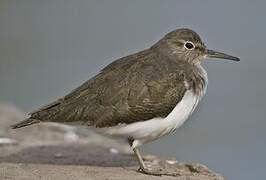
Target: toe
(151,172)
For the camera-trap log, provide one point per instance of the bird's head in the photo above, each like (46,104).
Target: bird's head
(185,44)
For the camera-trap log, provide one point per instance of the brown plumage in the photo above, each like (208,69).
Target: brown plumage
(135,88)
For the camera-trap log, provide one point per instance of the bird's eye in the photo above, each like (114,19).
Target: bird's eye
(189,45)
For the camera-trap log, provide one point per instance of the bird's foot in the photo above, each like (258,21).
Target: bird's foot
(153,172)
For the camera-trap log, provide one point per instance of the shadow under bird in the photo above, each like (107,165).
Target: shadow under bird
(140,97)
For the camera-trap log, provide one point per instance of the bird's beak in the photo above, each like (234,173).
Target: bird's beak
(216,54)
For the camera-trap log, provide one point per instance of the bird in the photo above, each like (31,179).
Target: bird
(140,97)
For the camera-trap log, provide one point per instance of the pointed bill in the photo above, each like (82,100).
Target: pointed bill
(216,54)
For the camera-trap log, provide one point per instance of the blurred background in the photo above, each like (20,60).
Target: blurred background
(49,47)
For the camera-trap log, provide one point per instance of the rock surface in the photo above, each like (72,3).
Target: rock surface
(52,151)
(59,172)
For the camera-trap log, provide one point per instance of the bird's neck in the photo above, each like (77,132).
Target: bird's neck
(199,80)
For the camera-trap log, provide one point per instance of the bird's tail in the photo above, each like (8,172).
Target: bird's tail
(24,123)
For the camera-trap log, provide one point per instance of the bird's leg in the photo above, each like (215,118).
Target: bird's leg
(140,160)
(143,168)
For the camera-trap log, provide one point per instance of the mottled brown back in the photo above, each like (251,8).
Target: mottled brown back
(135,88)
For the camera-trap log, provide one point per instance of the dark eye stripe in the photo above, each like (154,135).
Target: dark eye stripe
(199,48)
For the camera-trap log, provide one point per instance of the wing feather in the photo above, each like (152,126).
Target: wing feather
(134,88)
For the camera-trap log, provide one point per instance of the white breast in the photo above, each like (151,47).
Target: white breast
(152,129)
(149,130)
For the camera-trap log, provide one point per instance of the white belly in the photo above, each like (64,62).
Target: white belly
(152,129)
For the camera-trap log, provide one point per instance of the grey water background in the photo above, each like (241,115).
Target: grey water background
(49,47)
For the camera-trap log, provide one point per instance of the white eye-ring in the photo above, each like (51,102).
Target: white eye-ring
(189,45)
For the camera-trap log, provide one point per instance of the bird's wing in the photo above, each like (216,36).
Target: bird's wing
(135,88)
